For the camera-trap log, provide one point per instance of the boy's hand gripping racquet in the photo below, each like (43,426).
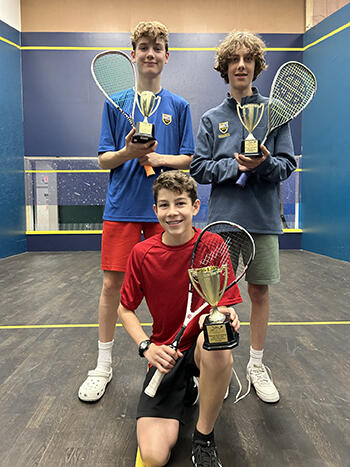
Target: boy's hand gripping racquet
(293,87)
(115,76)
(219,243)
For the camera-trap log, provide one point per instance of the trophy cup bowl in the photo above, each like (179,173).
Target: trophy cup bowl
(145,130)
(250,116)
(218,332)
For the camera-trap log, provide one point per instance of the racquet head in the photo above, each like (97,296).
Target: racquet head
(222,245)
(293,88)
(114,74)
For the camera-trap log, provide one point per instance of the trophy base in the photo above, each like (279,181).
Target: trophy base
(219,336)
(144,133)
(251,148)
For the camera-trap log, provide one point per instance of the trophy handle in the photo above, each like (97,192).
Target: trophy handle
(224,268)
(238,107)
(156,105)
(261,110)
(138,97)
(191,273)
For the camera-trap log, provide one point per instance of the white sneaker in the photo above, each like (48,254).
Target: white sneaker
(260,377)
(94,386)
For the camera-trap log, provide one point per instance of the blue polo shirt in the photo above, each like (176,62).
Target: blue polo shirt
(130,196)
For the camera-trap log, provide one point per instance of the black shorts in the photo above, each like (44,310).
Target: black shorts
(169,400)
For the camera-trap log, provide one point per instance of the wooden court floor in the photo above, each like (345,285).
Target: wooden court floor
(48,340)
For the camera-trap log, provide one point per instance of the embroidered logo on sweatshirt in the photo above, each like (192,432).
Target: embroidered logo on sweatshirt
(223,128)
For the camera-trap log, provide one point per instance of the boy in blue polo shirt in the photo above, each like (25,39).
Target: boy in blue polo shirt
(129,202)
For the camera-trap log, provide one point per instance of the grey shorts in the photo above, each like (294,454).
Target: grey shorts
(265,268)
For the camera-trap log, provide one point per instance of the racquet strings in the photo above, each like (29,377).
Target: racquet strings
(293,88)
(115,74)
(224,244)
(291,92)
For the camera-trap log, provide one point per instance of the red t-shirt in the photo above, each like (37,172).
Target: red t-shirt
(159,273)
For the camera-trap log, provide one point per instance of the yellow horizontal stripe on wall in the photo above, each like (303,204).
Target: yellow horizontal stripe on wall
(183,49)
(87,171)
(3,39)
(341,28)
(171,49)
(62,232)
(56,47)
(66,171)
(80,232)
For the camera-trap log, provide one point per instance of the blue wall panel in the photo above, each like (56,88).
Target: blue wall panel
(326,142)
(62,106)
(12,204)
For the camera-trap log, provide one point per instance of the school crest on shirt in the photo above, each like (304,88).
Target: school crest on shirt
(223,128)
(167,119)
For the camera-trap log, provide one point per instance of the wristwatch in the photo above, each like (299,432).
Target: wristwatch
(144,345)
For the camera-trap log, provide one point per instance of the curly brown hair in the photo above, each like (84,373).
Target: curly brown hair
(229,46)
(176,181)
(151,29)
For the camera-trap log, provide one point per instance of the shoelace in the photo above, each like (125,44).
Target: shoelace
(262,376)
(263,373)
(205,454)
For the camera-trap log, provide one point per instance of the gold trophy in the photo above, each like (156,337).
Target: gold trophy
(250,116)
(218,332)
(147,104)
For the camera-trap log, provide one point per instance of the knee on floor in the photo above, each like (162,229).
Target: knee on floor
(154,456)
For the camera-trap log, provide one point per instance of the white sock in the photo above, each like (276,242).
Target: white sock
(104,360)
(256,357)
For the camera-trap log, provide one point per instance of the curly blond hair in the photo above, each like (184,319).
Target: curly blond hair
(177,182)
(229,46)
(152,29)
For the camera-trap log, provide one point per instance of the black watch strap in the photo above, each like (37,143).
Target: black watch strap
(144,345)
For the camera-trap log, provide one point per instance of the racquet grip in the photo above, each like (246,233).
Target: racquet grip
(149,170)
(242,180)
(153,385)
